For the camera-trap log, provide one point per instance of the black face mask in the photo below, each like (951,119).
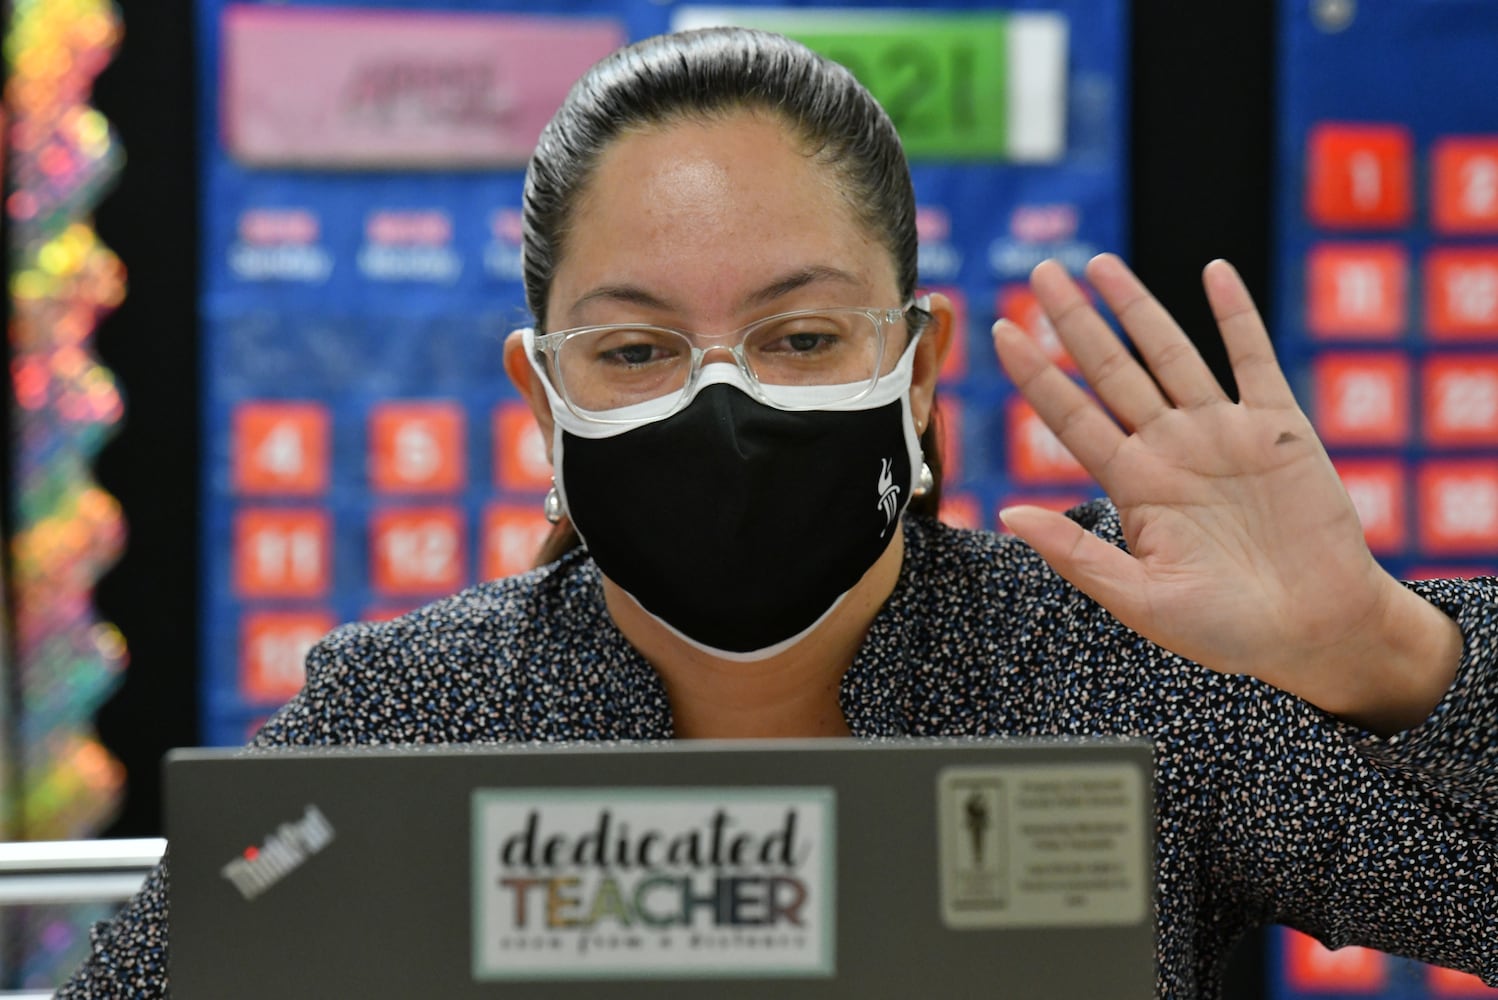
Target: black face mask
(739,525)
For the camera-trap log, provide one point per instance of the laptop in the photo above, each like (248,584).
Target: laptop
(736,869)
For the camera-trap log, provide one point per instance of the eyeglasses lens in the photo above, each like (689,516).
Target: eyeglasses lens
(606,369)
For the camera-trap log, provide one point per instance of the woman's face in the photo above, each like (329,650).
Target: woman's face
(708,226)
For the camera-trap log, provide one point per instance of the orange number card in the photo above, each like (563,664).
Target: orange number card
(1313,967)
(1461,293)
(1459,506)
(417,550)
(1019,305)
(1362,398)
(1464,185)
(280,448)
(417,447)
(513,536)
(282,553)
(520,461)
(1460,400)
(273,649)
(1035,454)
(1357,290)
(1377,490)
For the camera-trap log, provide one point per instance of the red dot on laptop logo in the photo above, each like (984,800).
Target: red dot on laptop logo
(285,850)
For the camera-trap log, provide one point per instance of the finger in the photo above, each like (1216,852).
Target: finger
(1123,386)
(1170,354)
(1260,380)
(1102,571)
(1070,413)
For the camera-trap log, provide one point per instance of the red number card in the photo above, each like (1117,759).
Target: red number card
(1460,400)
(1450,983)
(1358,176)
(1461,293)
(1312,966)
(282,553)
(1464,185)
(950,418)
(1426,571)
(1377,490)
(1362,398)
(280,447)
(273,649)
(513,536)
(417,550)
(417,447)
(1035,454)
(520,459)
(1018,304)
(1459,506)
(960,510)
(1357,290)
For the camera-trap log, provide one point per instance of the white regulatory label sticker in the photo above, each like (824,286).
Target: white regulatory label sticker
(1043,846)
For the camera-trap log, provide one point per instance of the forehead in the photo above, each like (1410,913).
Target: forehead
(701,213)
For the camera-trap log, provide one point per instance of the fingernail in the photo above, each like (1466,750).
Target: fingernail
(1005,326)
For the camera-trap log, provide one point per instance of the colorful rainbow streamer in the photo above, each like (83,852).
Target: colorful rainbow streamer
(66,530)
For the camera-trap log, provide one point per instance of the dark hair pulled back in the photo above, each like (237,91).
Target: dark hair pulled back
(708,74)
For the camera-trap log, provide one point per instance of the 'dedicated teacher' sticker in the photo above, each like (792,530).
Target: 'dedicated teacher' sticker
(652,882)
(1043,846)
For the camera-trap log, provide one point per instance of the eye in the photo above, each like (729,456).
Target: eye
(631,354)
(800,336)
(803,342)
(633,348)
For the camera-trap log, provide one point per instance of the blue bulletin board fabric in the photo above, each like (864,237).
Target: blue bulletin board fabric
(1386,276)
(320,340)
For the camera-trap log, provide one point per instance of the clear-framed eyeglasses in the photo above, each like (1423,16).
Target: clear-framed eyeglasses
(807,359)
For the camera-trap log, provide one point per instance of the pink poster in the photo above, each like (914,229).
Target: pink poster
(362,89)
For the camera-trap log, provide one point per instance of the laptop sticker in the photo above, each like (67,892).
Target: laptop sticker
(652,882)
(1042,846)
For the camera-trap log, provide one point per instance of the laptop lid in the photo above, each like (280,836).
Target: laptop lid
(818,868)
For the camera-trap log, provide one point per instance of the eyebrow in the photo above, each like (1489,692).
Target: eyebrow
(637,296)
(797,280)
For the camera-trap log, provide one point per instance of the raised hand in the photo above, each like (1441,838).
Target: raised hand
(1245,553)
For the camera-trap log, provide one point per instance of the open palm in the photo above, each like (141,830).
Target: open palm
(1245,553)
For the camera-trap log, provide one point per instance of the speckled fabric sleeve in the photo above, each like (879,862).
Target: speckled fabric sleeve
(1415,868)
(127,958)
(1461,736)
(1404,830)
(1273,811)
(1310,829)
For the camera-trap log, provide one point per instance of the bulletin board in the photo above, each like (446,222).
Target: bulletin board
(1387,317)
(362,171)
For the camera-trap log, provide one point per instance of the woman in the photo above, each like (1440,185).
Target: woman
(755,564)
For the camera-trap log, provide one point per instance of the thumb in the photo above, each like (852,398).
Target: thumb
(1102,571)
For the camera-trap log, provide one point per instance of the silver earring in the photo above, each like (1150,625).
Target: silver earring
(926,483)
(552,505)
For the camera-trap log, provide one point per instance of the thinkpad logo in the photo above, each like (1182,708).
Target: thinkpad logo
(284,851)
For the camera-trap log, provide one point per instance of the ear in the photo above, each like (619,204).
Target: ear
(929,355)
(523,374)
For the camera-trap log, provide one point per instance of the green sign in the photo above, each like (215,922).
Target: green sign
(942,77)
